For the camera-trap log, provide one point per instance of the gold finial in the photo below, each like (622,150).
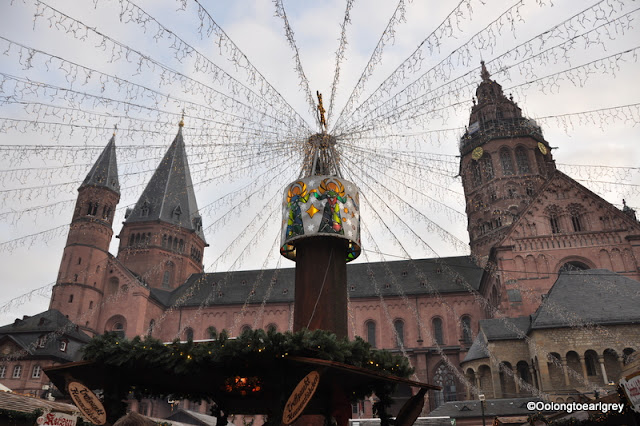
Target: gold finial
(181,124)
(323,122)
(115,129)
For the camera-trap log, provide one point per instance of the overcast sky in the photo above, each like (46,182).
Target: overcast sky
(597,140)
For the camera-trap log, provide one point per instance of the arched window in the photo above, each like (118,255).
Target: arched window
(505,160)
(467,335)
(371,333)
(132,239)
(144,210)
(213,332)
(444,377)
(188,334)
(167,277)
(152,325)
(591,361)
(554,223)
(476,176)
(574,266)
(272,328)
(522,160)
(486,165)
(90,304)
(245,328)
(437,331)
(118,328)
(399,327)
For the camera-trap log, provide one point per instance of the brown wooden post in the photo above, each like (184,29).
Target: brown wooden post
(321,285)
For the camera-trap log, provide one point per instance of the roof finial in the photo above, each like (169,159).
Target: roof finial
(115,129)
(484,73)
(181,124)
(323,122)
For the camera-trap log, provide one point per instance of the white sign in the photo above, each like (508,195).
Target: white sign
(57,419)
(475,126)
(631,385)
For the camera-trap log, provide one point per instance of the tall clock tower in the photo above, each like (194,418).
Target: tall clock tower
(504,161)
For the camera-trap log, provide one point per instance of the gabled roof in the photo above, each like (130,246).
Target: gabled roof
(505,328)
(169,195)
(104,172)
(45,322)
(26,334)
(596,296)
(414,277)
(536,201)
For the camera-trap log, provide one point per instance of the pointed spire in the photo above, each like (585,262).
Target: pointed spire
(104,172)
(169,195)
(484,73)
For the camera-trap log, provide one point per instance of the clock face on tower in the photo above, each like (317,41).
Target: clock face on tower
(543,149)
(477,153)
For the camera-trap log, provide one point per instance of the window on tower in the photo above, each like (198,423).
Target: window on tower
(486,165)
(476,176)
(144,210)
(507,163)
(522,160)
(555,225)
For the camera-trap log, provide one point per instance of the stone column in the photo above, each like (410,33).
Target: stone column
(604,371)
(545,380)
(497,388)
(565,369)
(621,362)
(534,377)
(516,379)
(584,369)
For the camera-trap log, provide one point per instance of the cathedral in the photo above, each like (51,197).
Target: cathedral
(544,302)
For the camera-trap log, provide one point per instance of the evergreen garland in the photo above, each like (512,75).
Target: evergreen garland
(250,347)
(20,415)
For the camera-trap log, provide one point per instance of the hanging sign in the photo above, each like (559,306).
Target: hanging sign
(631,385)
(87,402)
(57,419)
(300,397)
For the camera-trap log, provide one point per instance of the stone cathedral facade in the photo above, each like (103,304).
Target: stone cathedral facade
(502,319)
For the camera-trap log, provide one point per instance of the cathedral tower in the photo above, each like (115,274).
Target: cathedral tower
(504,161)
(162,239)
(79,288)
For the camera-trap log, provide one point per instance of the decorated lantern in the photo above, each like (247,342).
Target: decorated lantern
(325,206)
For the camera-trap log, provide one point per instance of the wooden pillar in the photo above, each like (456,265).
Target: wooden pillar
(321,285)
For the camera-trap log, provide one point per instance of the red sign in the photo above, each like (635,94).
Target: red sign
(631,385)
(57,419)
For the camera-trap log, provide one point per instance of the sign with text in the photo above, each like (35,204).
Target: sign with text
(631,385)
(87,402)
(300,397)
(57,419)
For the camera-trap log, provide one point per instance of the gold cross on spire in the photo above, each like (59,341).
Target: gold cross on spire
(181,124)
(115,129)
(323,122)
